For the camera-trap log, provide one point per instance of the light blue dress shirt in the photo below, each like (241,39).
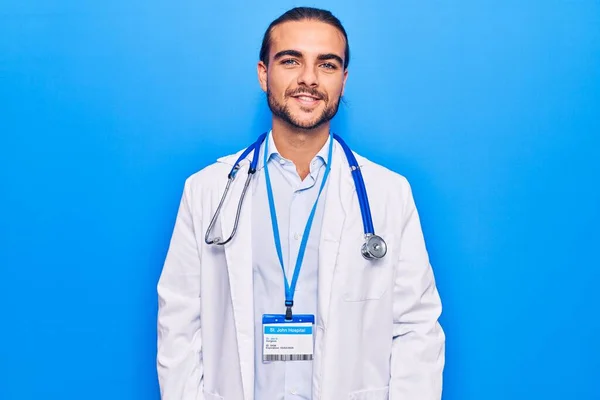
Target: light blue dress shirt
(294,199)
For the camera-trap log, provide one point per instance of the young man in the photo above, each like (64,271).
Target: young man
(290,307)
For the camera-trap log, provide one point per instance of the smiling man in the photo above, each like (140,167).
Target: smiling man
(276,285)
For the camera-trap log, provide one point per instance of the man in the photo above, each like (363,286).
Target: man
(230,326)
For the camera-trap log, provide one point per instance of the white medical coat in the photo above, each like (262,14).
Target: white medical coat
(377,334)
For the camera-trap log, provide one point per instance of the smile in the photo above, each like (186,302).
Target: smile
(307,100)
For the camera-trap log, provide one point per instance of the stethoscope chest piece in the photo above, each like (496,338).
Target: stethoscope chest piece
(374,247)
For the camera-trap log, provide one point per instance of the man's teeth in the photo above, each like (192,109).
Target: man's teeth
(306,98)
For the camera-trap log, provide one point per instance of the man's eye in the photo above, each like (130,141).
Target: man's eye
(289,61)
(329,66)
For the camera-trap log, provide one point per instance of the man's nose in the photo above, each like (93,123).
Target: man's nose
(308,77)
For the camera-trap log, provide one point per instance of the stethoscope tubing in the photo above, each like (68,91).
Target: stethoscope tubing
(359,184)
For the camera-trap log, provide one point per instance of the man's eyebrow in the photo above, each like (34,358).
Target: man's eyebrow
(330,56)
(291,53)
(320,57)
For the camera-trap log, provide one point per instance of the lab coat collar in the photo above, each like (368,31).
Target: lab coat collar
(238,255)
(338,199)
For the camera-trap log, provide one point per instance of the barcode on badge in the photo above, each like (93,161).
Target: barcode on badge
(287,357)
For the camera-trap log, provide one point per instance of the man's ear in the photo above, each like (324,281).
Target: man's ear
(261,69)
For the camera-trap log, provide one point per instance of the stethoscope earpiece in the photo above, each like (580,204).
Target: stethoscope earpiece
(374,247)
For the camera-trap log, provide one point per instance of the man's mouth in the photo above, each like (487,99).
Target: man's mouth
(306,99)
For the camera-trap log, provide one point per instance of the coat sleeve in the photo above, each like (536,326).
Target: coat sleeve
(179,344)
(418,347)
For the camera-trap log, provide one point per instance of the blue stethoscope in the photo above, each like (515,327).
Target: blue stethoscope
(374,246)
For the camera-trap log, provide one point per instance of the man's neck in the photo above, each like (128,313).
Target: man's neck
(299,146)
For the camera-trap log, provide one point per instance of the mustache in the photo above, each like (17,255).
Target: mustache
(306,90)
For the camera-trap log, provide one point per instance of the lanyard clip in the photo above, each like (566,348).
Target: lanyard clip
(288,309)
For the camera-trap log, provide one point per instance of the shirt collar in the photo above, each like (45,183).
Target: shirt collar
(274,153)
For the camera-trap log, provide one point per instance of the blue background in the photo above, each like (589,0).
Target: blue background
(490,108)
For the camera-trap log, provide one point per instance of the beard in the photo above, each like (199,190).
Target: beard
(282,111)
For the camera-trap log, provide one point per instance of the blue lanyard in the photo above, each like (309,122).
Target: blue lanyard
(289,290)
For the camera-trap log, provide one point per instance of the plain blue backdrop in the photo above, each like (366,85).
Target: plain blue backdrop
(491,109)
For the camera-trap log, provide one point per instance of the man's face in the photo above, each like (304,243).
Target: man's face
(305,78)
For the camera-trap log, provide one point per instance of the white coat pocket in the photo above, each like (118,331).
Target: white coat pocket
(368,279)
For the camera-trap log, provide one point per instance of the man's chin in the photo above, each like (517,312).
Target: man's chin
(306,125)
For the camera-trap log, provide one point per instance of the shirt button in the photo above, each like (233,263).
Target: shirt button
(297,236)
(294,391)
(281,161)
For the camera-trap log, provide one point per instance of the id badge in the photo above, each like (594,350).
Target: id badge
(288,340)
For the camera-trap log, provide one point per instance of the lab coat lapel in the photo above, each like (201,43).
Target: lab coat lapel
(337,201)
(238,254)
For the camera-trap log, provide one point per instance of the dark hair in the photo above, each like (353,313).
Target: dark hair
(300,14)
